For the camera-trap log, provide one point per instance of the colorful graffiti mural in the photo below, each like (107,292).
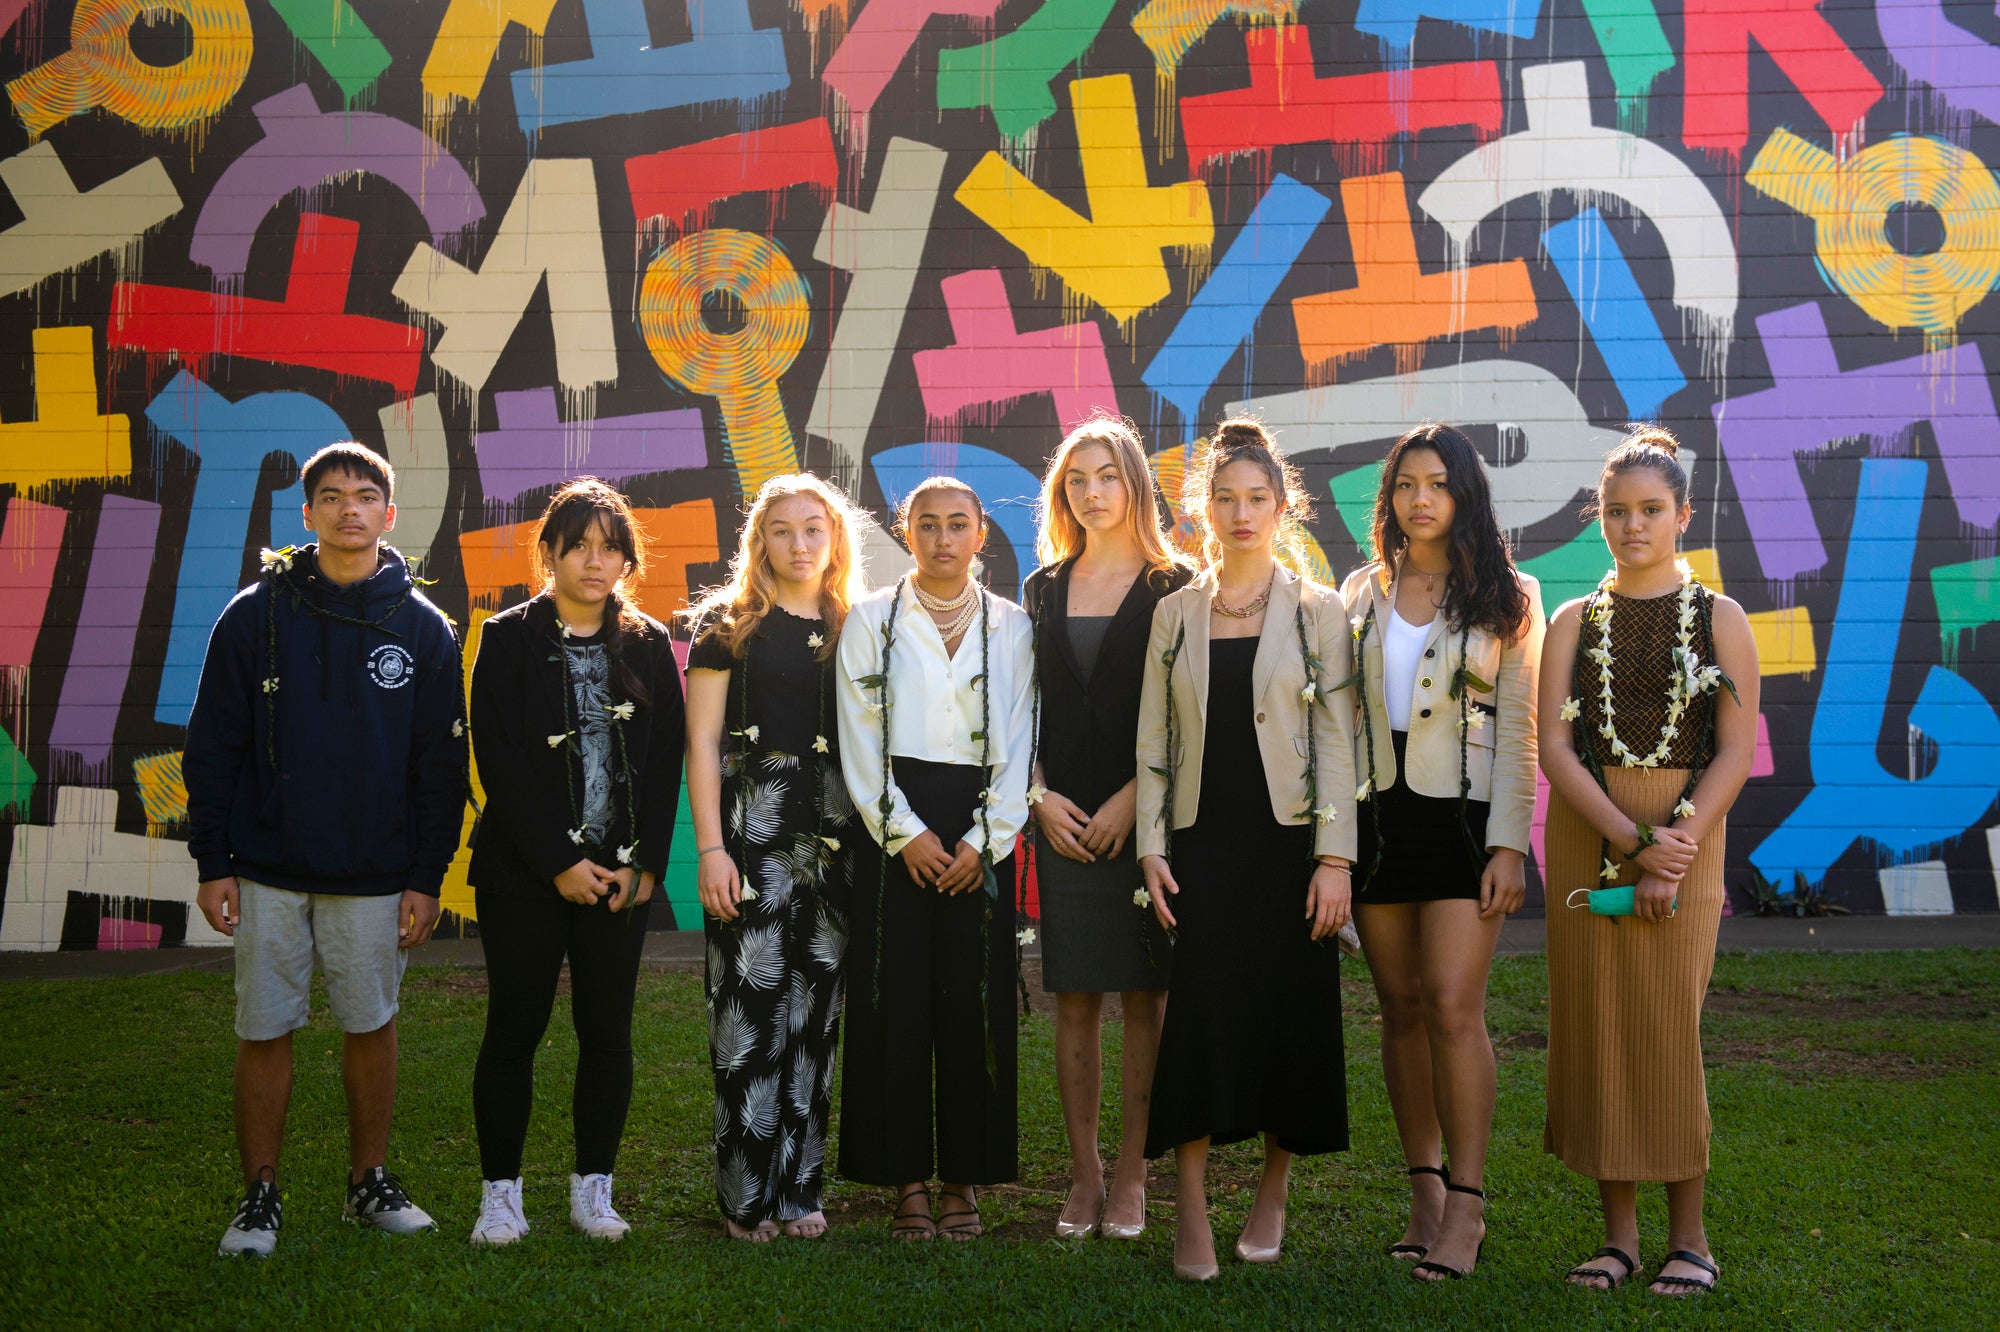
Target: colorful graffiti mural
(685,244)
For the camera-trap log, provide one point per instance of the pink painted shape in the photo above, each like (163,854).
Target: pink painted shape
(11,10)
(29,544)
(991,362)
(115,933)
(1540,822)
(880,40)
(1761,764)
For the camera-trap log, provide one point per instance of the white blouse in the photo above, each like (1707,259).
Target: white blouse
(1400,646)
(934,708)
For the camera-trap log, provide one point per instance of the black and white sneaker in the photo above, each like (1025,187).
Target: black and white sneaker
(379,1201)
(255,1229)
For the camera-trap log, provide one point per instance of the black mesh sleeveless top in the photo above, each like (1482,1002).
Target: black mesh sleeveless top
(1644,634)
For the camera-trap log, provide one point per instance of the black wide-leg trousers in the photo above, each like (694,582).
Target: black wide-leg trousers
(928,1081)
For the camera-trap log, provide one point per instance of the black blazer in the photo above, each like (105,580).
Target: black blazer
(521,841)
(1090,732)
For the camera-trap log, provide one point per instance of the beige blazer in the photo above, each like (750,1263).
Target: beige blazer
(1500,755)
(1282,719)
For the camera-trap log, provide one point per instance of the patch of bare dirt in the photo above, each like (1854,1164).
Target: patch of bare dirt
(1826,1004)
(1805,1059)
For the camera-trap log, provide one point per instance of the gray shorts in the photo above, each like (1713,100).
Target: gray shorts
(280,936)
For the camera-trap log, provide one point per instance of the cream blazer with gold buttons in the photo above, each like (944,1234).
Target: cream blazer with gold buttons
(1500,754)
(1282,717)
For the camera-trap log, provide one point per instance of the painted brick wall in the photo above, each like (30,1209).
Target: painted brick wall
(686,246)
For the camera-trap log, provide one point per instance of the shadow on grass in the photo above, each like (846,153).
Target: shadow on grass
(1852,1096)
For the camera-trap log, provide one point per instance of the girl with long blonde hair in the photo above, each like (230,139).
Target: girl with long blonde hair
(1106,562)
(774,836)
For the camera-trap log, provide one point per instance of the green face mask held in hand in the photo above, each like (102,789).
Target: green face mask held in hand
(1612,901)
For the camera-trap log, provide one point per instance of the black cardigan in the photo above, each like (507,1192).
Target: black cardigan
(1090,732)
(521,841)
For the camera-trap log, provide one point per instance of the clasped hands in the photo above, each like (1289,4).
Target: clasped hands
(586,883)
(1087,837)
(930,865)
(1662,866)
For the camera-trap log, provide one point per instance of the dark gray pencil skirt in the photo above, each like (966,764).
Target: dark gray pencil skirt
(1095,940)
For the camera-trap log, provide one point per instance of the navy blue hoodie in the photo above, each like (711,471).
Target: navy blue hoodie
(367,792)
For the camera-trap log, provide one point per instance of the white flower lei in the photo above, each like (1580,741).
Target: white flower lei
(1689,678)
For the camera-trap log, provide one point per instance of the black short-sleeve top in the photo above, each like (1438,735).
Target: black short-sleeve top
(1090,719)
(789,695)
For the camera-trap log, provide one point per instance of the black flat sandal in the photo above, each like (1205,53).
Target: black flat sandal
(1419,1250)
(913,1225)
(1693,1285)
(1611,1282)
(1439,1269)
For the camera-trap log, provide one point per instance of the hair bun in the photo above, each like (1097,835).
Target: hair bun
(1653,437)
(1242,432)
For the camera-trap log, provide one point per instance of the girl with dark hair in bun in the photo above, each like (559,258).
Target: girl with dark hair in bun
(1648,723)
(1448,637)
(934,682)
(577,727)
(1245,835)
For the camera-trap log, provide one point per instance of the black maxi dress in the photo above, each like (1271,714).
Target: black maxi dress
(1252,1041)
(775,973)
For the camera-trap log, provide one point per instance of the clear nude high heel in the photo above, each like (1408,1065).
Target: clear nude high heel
(1118,1230)
(1079,1229)
(1251,1254)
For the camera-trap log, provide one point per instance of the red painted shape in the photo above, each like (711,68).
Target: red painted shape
(993,363)
(310,327)
(1288,103)
(29,544)
(1716,49)
(682,185)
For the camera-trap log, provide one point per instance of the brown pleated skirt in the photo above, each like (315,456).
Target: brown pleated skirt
(1627,1099)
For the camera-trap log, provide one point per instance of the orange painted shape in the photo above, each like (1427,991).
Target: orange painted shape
(497,558)
(1393,300)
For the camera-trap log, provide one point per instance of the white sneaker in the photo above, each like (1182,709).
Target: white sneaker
(501,1220)
(379,1201)
(255,1228)
(590,1208)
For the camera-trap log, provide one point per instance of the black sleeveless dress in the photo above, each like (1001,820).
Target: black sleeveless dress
(1252,1041)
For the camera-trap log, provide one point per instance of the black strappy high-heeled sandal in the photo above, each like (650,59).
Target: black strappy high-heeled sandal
(1398,1250)
(907,1225)
(1440,1269)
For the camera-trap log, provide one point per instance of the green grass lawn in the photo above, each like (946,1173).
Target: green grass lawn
(1856,1112)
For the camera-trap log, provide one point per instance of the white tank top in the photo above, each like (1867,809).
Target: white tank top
(1402,645)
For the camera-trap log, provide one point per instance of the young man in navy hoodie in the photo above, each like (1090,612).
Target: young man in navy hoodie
(326,779)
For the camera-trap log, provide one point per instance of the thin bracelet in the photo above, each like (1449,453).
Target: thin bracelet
(706,849)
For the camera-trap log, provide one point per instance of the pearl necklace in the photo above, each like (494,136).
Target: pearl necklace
(1690,677)
(962,608)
